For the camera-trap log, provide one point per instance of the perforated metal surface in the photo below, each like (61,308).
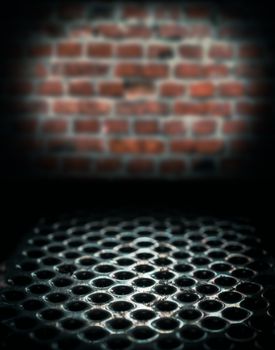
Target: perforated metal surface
(140,282)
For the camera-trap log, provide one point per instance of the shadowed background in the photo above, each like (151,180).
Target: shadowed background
(96,91)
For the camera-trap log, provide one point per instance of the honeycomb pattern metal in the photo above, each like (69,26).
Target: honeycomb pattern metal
(158,282)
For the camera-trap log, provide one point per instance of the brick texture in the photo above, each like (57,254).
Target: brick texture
(139,90)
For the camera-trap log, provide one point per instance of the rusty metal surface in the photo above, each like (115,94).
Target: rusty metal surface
(132,282)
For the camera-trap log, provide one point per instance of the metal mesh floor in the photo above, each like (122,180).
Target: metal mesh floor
(162,282)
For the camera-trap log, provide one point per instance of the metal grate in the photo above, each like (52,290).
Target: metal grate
(140,282)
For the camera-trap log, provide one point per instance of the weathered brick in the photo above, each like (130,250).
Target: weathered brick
(172,31)
(160,51)
(87,126)
(129,50)
(113,89)
(84,69)
(69,49)
(54,126)
(54,87)
(190,51)
(81,88)
(202,89)
(141,108)
(204,127)
(146,127)
(172,89)
(221,51)
(136,146)
(100,50)
(214,108)
(115,126)
(174,127)
(235,126)
(231,89)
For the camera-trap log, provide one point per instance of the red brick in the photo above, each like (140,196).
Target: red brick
(100,50)
(76,164)
(253,108)
(84,69)
(41,50)
(173,127)
(81,107)
(204,127)
(108,165)
(81,88)
(136,146)
(160,51)
(134,11)
(54,126)
(220,51)
(146,127)
(39,70)
(231,89)
(202,89)
(141,108)
(235,126)
(69,49)
(110,30)
(188,70)
(140,166)
(171,89)
(115,126)
(138,31)
(190,51)
(215,70)
(87,144)
(221,109)
(87,126)
(129,50)
(182,146)
(155,70)
(209,146)
(113,89)
(172,31)
(199,30)
(172,166)
(138,89)
(80,31)
(53,87)
(94,107)
(66,107)
(128,70)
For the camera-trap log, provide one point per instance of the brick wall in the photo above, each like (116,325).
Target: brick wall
(179,90)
